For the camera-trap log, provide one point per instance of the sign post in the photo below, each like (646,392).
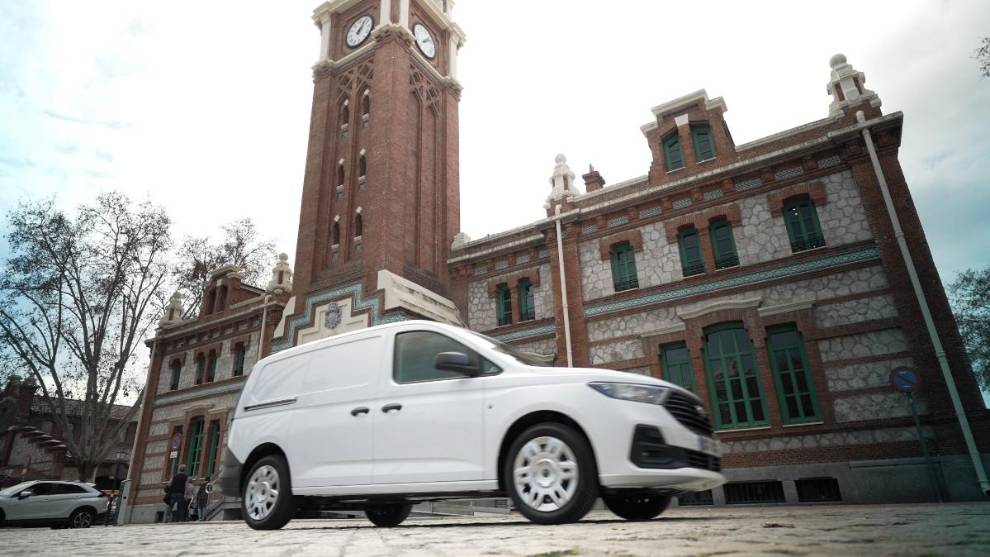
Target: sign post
(173,454)
(906,381)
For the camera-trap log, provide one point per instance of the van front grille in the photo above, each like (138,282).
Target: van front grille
(685,410)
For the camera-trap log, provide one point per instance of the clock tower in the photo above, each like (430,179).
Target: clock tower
(380,202)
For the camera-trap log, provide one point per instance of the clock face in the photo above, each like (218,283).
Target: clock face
(359,31)
(424,40)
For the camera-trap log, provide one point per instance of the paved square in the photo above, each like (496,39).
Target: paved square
(951,529)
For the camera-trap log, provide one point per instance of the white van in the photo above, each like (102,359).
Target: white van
(381,418)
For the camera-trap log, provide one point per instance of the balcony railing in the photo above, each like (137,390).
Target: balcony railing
(810,242)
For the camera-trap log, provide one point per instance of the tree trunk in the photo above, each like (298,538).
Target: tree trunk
(86,470)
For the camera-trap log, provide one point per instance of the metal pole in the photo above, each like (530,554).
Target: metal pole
(943,361)
(924,450)
(563,288)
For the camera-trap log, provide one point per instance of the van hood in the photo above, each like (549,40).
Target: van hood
(595,374)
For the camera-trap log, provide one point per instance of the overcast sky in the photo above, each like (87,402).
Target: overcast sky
(204,106)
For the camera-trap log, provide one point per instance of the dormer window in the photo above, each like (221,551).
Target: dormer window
(672,153)
(704,144)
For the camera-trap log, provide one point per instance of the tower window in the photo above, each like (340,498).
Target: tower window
(503,298)
(803,228)
(335,234)
(690,247)
(366,105)
(723,244)
(211,367)
(624,267)
(358,226)
(345,114)
(362,168)
(704,144)
(200,368)
(795,391)
(527,308)
(672,152)
(340,174)
(176,375)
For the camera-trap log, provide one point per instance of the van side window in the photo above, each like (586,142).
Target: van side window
(416,351)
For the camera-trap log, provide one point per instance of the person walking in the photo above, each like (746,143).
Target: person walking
(177,491)
(203,497)
(190,498)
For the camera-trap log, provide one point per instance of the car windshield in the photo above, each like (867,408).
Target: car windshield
(527,358)
(15,488)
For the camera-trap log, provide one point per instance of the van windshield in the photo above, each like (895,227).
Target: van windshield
(527,358)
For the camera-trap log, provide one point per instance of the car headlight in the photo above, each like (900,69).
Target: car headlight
(650,394)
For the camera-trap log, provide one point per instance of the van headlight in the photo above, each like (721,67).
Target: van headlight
(649,394)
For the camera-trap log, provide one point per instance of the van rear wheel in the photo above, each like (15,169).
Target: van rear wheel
(388,515)
(636,506)
(266,497)
(550,474)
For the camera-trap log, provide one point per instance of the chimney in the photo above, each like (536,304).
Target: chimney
(593,180)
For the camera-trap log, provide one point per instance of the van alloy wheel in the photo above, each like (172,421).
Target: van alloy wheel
(546,473)
(262,492)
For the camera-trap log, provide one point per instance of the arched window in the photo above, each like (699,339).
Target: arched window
(340,174)
(358,226)
(176,375)
(366,104)
(335,234)
(362,167)
(801,220)
(737,395)
(211,367)
(345,113)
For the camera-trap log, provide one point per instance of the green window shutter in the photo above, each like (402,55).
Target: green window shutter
(211,451)
(504,300)
(176,375)
(704,145)
(676,365)
(690,247)
(239,352)
(791,375)
(200,369)
(211,368)
(527,309)
(723,245)
(803,228)
(195,446)
(624,276)
(672,152)
(733,377)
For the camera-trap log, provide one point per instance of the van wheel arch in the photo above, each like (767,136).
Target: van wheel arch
(531,419)
(260,452)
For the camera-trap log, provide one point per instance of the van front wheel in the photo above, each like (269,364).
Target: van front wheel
(636,506)
(388,515)
(266,498)
(550,474)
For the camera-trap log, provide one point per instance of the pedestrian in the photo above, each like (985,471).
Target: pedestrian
(203,497)
(189,498)
(169,507)
(177,492)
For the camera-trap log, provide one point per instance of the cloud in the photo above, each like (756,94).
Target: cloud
(112,124)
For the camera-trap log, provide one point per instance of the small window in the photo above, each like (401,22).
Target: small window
(366,104)
(211,367)
(672,152)
(358,226)
(803,228)
(795,390)
(690,247)
(239,353)
(176,375)
(416,352)
(676,365)
(362,167)
(200,368)
(340,174)
(503,299)
(723,244)
(527,309)
(69,489)
(345,113)
(748,493)
(624,267)
(335,233)
(818,490)
(704,145)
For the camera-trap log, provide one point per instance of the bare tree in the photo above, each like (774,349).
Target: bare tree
(198,258)
(74,307)
(983,57)
(970,295)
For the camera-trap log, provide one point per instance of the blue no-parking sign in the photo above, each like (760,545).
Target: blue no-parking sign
(904,379)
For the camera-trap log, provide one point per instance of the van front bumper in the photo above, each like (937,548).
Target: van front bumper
(230,475)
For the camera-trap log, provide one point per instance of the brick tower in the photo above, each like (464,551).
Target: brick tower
(380,202)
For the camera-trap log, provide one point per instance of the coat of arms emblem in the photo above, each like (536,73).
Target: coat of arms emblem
(333,315)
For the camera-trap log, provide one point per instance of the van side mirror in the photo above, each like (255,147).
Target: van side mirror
(25,494)
(458,362)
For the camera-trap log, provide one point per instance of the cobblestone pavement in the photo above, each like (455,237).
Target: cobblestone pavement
(951,529)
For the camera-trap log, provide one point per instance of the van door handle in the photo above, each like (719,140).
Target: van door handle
(360,410)
(389,407)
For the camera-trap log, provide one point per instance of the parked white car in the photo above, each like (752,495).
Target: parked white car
(387,416)
(51,503)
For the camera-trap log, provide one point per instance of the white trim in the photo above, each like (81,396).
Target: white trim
(802,424)
(702,308)
(784,308)
(676,328)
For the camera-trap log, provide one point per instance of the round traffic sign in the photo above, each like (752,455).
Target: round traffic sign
(904,379)
(176,441)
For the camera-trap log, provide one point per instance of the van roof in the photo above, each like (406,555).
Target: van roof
(334,339)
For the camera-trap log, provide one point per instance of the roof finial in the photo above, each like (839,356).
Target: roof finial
(847,87)
(562,182)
